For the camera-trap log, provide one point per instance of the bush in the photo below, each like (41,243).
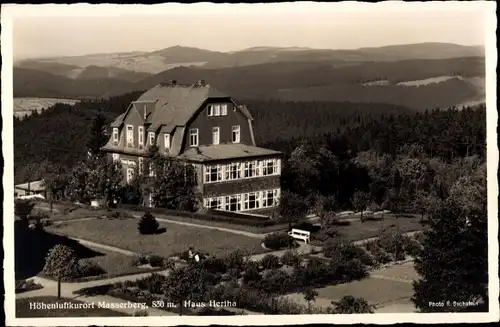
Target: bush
(350,252)
(251,273)
(270,261)
(215,265)
(379,254)
(235,259)
(148,224)
(155,261)
(275,282)
(412,247)
(316,273)
(276,241)
(168,264)
(140,260)
(291,258)
(152,283)
(87,268)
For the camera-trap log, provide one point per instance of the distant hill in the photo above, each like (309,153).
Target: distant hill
(168,58)
(416,83)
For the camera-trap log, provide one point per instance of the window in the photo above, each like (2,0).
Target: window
(233,203)
(141,164)
(251,169)
(130,174)
(140,131)
(270,167)
(193,137)
(210,110)
(130,135)
(215,203)
(233,171)
(115,135)
(216,109)
(236,134)
(213,173)
(223,109)
(167,142)
(116,157)
(251,201)
(215,135)
(151,138)
(267,199)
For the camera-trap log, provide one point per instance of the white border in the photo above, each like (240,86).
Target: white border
(9,12)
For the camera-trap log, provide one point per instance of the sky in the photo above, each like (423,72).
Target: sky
(72,31)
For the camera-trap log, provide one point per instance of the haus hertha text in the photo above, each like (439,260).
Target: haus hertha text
(202,126)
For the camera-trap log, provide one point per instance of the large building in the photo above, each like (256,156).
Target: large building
(205,127)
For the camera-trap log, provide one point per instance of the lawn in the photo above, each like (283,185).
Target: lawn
(123,233)
(114,263)
(23,309)
(374,290)
(356,230)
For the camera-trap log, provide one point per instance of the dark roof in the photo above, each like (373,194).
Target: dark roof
(225,151)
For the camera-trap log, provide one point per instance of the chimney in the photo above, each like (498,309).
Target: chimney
(201,82)
(173,82)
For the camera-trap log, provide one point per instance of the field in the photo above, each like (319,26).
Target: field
(123,233)
(24,106)
(23,309)
(114,263)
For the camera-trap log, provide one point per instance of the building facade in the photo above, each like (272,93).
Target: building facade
(204,127)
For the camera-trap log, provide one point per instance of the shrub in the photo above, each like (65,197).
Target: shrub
(379,254)
(152,283)
(235,259)
(412,247)
(251,273)
(291,258)
(140,260)
(275,282)
(168,264)
(270,261)
(355,270)
(276,241)
(316,273)
(350,252)
(155,261)
(148,224)
(215,265)
(349,305)
(87,268)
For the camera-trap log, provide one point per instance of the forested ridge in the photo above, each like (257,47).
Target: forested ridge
(345,130)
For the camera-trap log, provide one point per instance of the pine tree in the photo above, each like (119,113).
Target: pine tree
(97,137)
(147,224)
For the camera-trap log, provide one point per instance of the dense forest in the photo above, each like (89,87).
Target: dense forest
(343,140)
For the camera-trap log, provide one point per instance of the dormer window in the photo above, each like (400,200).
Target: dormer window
(167,142)
(151,138)
(216,109)
(193,137)
(115,135)
(130,135)
(210,110)
(236,134)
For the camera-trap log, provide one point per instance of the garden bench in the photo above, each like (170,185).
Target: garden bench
(301,235)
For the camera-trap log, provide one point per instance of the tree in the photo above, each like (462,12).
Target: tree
(55,182)
(325,207)
(60,262)
(310,295)
(191,282)
(172,183)
(455,251)
(293,207)
(148,224)
(349,305)
(97,136)
(360,201)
